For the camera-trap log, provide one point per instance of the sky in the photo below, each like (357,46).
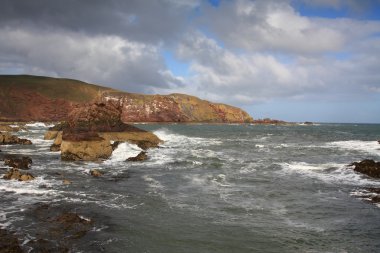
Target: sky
(294,60)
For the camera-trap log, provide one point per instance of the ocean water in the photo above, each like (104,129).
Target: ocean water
(210,188)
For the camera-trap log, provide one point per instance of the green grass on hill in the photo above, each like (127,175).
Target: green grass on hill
(68,89)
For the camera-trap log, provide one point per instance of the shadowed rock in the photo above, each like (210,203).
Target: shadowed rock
(367,167)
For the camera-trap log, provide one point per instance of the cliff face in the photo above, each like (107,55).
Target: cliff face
(32,98)
(175,108)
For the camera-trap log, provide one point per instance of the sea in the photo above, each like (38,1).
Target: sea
(210,188)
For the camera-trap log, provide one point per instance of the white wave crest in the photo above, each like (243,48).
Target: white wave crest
(369,147)
(329,173)
(37,125)
(123,152)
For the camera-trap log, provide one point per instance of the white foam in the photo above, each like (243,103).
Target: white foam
(369,147)
(328,172)
(123,152)
(36,125)
(177,140)
(152,183)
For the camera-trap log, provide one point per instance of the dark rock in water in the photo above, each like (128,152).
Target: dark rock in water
(367,167)
(23,162)
(142,156)
(17,175)
(55,148)
(95,173)
(8,242)
(44,246)
(378,141)
(8,139)
(308,123)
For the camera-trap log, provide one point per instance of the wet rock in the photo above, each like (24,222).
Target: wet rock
(378,141)
(9,139)
(95,173)
(142,156)
(23,162)
(367,167)
(9,242)
(15,174)
(308,123)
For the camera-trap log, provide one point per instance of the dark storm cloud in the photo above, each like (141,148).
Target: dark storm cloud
(142,20)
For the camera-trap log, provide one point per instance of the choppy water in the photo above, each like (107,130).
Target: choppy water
(212,188)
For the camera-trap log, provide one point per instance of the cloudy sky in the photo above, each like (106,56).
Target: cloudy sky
(296,60)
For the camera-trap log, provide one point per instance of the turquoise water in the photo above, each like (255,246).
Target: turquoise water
(212,188)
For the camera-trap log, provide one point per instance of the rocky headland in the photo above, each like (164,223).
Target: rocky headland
(35,98)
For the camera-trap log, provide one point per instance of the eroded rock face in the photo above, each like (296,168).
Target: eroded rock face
(175,108)
(19,162)
(142,156)
(367,167)
(15,174)
(9,139)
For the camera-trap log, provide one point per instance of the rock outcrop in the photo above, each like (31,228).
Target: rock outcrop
(91,129)
(33,98)
(367,167)
(7,138)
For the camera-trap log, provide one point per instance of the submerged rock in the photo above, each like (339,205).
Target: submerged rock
(9,139)
(17,175)
(57,228)
(142,156)
(367,167)
(9,242)
(23,162)
(370,194)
